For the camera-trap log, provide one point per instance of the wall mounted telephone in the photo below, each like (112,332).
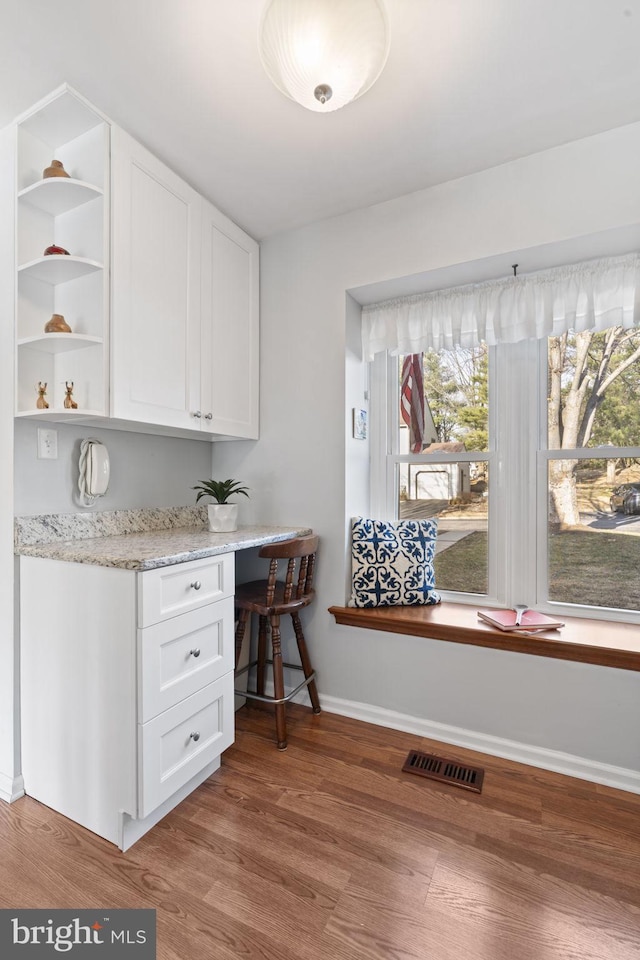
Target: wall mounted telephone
(94,467)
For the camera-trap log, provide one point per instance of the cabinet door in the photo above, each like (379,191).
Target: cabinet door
(230,328)
(156,231)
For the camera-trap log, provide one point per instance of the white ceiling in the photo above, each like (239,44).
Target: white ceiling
(468,84)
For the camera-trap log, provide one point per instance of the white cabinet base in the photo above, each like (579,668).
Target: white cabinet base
(78,690)
(87,657)
(132,830)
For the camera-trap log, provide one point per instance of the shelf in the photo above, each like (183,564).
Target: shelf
(61,118)
(604,643)
(72,212)
(59,342)
(59,194)
(58,268)
(59,414)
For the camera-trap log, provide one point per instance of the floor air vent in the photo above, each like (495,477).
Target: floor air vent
(444,770)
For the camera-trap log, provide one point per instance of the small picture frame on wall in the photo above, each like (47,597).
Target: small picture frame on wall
(359,424)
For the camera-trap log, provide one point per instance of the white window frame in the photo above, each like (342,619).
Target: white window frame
(518,459)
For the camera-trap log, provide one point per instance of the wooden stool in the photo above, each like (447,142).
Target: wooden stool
(270,599)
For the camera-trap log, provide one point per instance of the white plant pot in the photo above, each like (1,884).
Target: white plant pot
(223,517)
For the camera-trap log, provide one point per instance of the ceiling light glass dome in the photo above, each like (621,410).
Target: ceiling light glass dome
(324,53)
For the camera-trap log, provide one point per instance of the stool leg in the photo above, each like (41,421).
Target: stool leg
(243,617)
(278,683)
(306,662)
(262,655)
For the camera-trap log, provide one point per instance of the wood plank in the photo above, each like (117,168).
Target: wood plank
(605,643)
(329,850)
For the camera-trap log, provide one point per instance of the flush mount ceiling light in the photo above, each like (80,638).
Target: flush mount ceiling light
(324,53)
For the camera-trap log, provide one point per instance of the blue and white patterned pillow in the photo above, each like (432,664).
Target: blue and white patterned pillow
(392,562)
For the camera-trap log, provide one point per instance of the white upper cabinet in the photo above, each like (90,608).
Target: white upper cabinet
(184,303)
(70,212)
(156,288)
(160,290)
(230,304)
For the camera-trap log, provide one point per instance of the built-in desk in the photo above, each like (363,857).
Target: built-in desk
(127,660)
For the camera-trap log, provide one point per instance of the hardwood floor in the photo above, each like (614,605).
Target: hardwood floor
(327,851)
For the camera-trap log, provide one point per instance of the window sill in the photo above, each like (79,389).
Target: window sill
(601,642)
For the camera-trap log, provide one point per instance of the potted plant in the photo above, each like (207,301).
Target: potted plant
(223,516)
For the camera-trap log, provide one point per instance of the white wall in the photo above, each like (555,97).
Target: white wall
(297,468)
(146,471)
(9,751)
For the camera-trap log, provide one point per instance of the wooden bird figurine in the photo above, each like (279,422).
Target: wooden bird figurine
(69,402)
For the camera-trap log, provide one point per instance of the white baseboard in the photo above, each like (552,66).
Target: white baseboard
(572,766)
(11,788)
(619,777)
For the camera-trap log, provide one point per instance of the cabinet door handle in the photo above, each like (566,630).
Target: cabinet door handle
(195,653)
(197,414)
(196,584)
(208,416)
(194,736)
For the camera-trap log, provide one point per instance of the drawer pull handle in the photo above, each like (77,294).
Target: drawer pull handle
(195,653)
(194,736)
(196,584)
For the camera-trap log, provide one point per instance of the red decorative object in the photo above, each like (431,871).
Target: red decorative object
(412,400)
(55,250)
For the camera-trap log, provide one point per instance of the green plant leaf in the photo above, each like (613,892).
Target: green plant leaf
(220,490)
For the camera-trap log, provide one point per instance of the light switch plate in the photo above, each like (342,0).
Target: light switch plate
(47,444)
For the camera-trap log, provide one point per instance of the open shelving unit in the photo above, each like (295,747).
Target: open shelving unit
(71,212)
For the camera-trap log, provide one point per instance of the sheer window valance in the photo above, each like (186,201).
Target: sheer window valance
(583,296)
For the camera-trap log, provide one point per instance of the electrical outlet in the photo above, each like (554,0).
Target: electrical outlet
(47,444)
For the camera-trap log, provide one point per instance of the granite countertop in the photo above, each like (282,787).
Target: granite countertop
(137,539)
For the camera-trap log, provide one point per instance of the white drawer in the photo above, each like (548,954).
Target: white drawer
(169,591)
(176,745)
(178,657)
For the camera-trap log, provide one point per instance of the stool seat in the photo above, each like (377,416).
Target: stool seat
(270,599)
(252,595)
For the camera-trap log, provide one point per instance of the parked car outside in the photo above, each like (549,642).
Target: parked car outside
(626,498)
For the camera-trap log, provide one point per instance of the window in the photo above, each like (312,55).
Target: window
(443,470)
(593,488)
(530,459)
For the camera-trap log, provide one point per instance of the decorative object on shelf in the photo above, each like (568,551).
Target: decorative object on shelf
(223,516)
(41,402)
(326,53)
(69,402)
(55,170)
(519,619)
(55,250)
(57,324)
